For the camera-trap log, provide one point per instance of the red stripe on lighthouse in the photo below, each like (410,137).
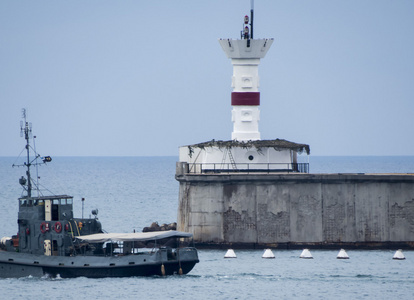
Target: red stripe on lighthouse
(249,98)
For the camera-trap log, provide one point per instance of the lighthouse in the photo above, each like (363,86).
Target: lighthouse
(253,192)
(245,55)
(246,151)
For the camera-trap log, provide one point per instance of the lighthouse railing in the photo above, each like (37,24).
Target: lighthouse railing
(227,168)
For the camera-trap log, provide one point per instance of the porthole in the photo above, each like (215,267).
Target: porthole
(250,156)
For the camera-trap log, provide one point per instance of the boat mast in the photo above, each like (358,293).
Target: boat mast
(27,130)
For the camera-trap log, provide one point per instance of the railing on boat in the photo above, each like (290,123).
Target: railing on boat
(227,168)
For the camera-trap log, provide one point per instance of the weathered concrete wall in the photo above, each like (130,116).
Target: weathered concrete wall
(297,209)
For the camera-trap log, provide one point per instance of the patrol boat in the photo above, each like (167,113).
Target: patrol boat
(52,242)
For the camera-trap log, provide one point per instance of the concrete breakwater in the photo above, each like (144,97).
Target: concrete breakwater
(294,210)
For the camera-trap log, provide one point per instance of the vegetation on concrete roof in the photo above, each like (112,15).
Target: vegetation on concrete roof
(277,144)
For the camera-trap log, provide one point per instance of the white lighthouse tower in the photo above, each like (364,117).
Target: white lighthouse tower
(246,151)
(245,55)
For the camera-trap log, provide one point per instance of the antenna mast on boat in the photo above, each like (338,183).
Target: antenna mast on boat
(26,129)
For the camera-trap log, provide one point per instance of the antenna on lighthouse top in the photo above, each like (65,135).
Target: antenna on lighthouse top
(251,17)
(247,33)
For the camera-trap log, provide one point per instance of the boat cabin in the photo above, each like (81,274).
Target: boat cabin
(47,226)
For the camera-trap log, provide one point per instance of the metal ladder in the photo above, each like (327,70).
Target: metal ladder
(233,163)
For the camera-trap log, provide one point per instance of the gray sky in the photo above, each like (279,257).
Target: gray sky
(141,78)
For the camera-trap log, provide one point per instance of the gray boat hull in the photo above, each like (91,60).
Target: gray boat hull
(144,264)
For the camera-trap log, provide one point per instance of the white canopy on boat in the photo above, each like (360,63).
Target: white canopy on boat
(136,236)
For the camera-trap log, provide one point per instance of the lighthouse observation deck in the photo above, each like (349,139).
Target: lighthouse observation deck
(244,168)
(246,48)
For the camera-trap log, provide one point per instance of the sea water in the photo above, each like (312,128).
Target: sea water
(132,192)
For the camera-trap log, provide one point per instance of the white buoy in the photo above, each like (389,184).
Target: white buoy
(306,254)
(268,254)
(230,254)
(399,255)
(342,254)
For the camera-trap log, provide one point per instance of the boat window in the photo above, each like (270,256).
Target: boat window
(41,202)
(69,201)
(23,202)
(55,210)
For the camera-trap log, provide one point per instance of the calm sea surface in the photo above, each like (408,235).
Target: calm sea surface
(133,192)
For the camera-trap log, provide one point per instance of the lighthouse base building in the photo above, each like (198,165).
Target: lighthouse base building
(245,156)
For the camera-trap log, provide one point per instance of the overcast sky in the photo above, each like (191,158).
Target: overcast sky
(141,78)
